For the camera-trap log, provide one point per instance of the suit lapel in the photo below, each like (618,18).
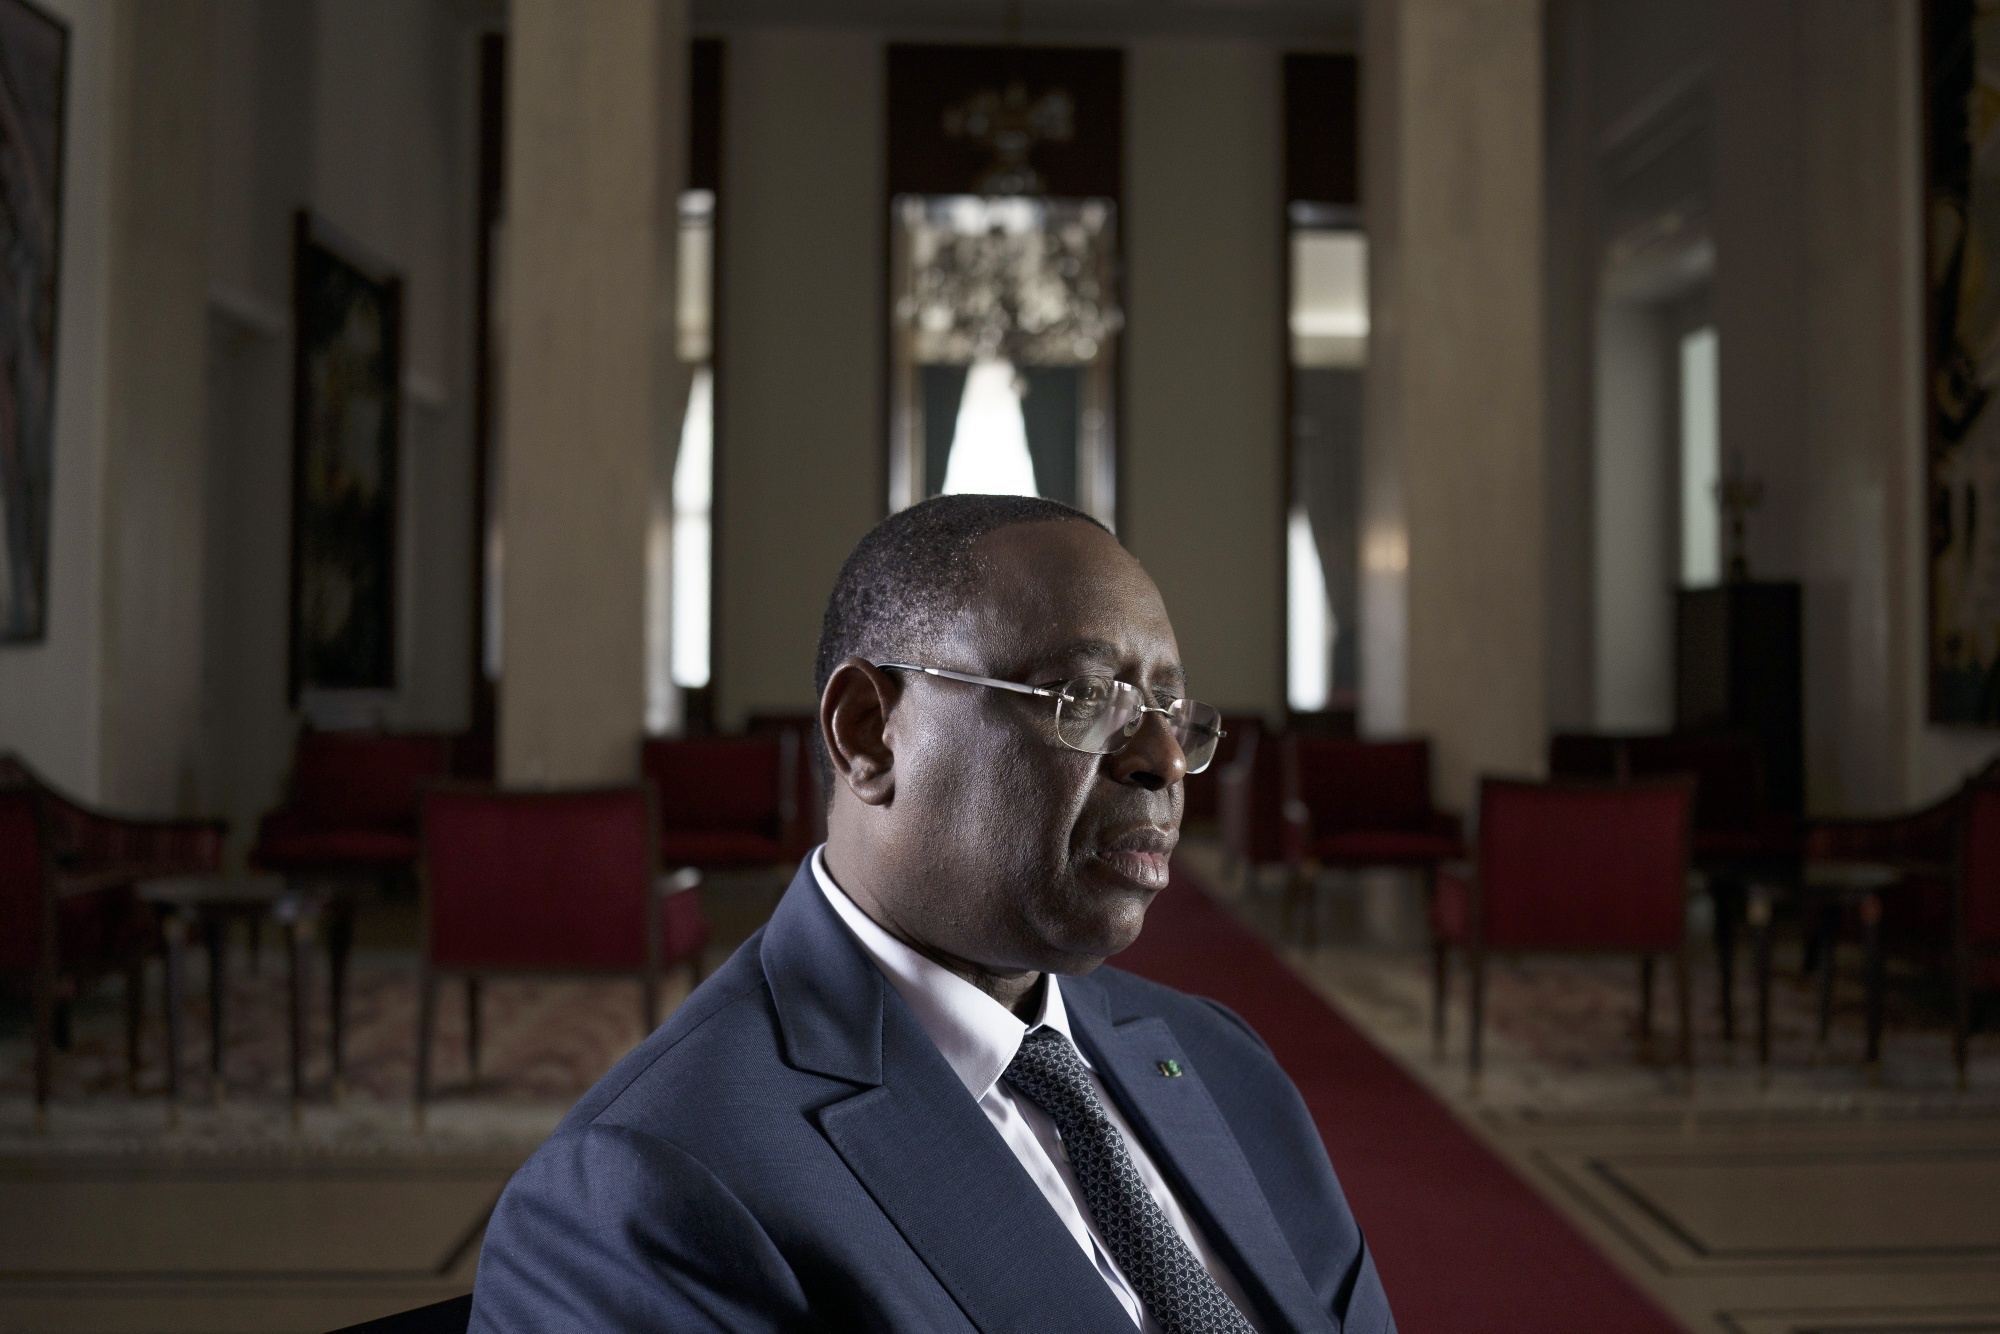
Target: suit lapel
(924,1150)
(1197,1151)
(917,1141)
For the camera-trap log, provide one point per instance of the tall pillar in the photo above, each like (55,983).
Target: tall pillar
(596,109)
(1454,580)
(156,447)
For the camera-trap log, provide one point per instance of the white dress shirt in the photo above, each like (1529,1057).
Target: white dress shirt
(978,1037)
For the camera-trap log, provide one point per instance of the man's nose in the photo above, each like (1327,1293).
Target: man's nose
(1152,759)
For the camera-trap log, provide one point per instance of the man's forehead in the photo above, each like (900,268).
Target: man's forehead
(1067,591)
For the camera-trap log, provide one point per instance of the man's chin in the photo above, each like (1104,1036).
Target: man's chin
(1086,946)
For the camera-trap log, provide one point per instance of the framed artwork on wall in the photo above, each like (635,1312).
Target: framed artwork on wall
(34,54)
(346,431)
(1962,336)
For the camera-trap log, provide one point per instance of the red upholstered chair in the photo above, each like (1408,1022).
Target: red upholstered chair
(1250,800)
(353,809)
(546,882)
(1572,867)
(68,916)
(1734,828)
(808,795)
(728,801)
(1738,838)
(1357,804)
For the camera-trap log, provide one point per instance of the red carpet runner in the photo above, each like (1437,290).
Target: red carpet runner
(1464,1246)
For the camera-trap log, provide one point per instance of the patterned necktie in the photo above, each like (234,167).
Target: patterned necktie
(1179,1293)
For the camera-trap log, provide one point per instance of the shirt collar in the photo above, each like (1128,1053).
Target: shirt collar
(977,1034)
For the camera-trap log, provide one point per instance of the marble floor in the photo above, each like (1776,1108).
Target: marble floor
(1803,1202)
(241,1220)
(1810,1201)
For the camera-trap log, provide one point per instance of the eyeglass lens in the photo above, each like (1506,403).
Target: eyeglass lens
(1099,714)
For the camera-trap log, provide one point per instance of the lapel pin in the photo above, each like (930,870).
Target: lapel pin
(1171,1069)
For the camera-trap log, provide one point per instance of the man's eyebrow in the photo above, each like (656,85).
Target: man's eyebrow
(1088,648)
(1173,674)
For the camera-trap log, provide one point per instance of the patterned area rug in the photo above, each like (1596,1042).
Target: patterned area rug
(1563,1030)
(544,1041)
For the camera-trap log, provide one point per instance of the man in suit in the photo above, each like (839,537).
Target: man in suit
(914,1100)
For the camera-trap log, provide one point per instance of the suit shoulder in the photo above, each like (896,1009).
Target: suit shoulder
(720,1028)
(1192,1017)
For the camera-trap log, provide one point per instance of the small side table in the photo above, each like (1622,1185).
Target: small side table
(1825,887)
(210,902)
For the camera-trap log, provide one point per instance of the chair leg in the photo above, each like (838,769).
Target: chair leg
(45,1044)
(426,1023)
(135,1013)
(1725,897)
(472,1016)
(1871,922)
(215,931)
(1476,1033)
(1440,988)
(649,1000)
(1759,918)
(1829,970)
(339,944)
(1684,998)
(1961,980)
(1646,970)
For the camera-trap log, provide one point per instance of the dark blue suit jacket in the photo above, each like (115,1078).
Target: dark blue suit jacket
(791,1152)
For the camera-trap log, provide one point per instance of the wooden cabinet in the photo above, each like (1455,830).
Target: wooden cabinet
(1737,667)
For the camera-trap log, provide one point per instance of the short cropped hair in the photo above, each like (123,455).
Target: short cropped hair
(910,576)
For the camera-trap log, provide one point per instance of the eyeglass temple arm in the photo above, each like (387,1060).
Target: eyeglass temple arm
(970,679)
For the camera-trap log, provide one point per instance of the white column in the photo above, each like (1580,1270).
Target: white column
(156,454)
(1205,432)
(1454,581)
(596,116)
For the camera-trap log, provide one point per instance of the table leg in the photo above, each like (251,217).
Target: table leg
(339,941)
(175,930)
(215,931)
(1646,1007)
(1760,914)
(298,936)
(1871,921)
(1725,898)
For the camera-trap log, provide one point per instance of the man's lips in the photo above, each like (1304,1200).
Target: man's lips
(1140,855)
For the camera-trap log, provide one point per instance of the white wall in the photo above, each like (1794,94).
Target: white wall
(1807,120)
(800,450)
(194,131)
(155,477)
(800,443)
(51,692)
(1631,476)
(1203,449)
(394,157)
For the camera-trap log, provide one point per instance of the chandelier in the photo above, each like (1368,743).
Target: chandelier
(1026,280)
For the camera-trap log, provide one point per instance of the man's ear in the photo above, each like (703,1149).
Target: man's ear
(853,720)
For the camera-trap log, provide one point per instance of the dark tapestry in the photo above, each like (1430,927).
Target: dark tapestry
(346,415)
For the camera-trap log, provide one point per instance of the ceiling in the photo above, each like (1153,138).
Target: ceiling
(1307,22)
